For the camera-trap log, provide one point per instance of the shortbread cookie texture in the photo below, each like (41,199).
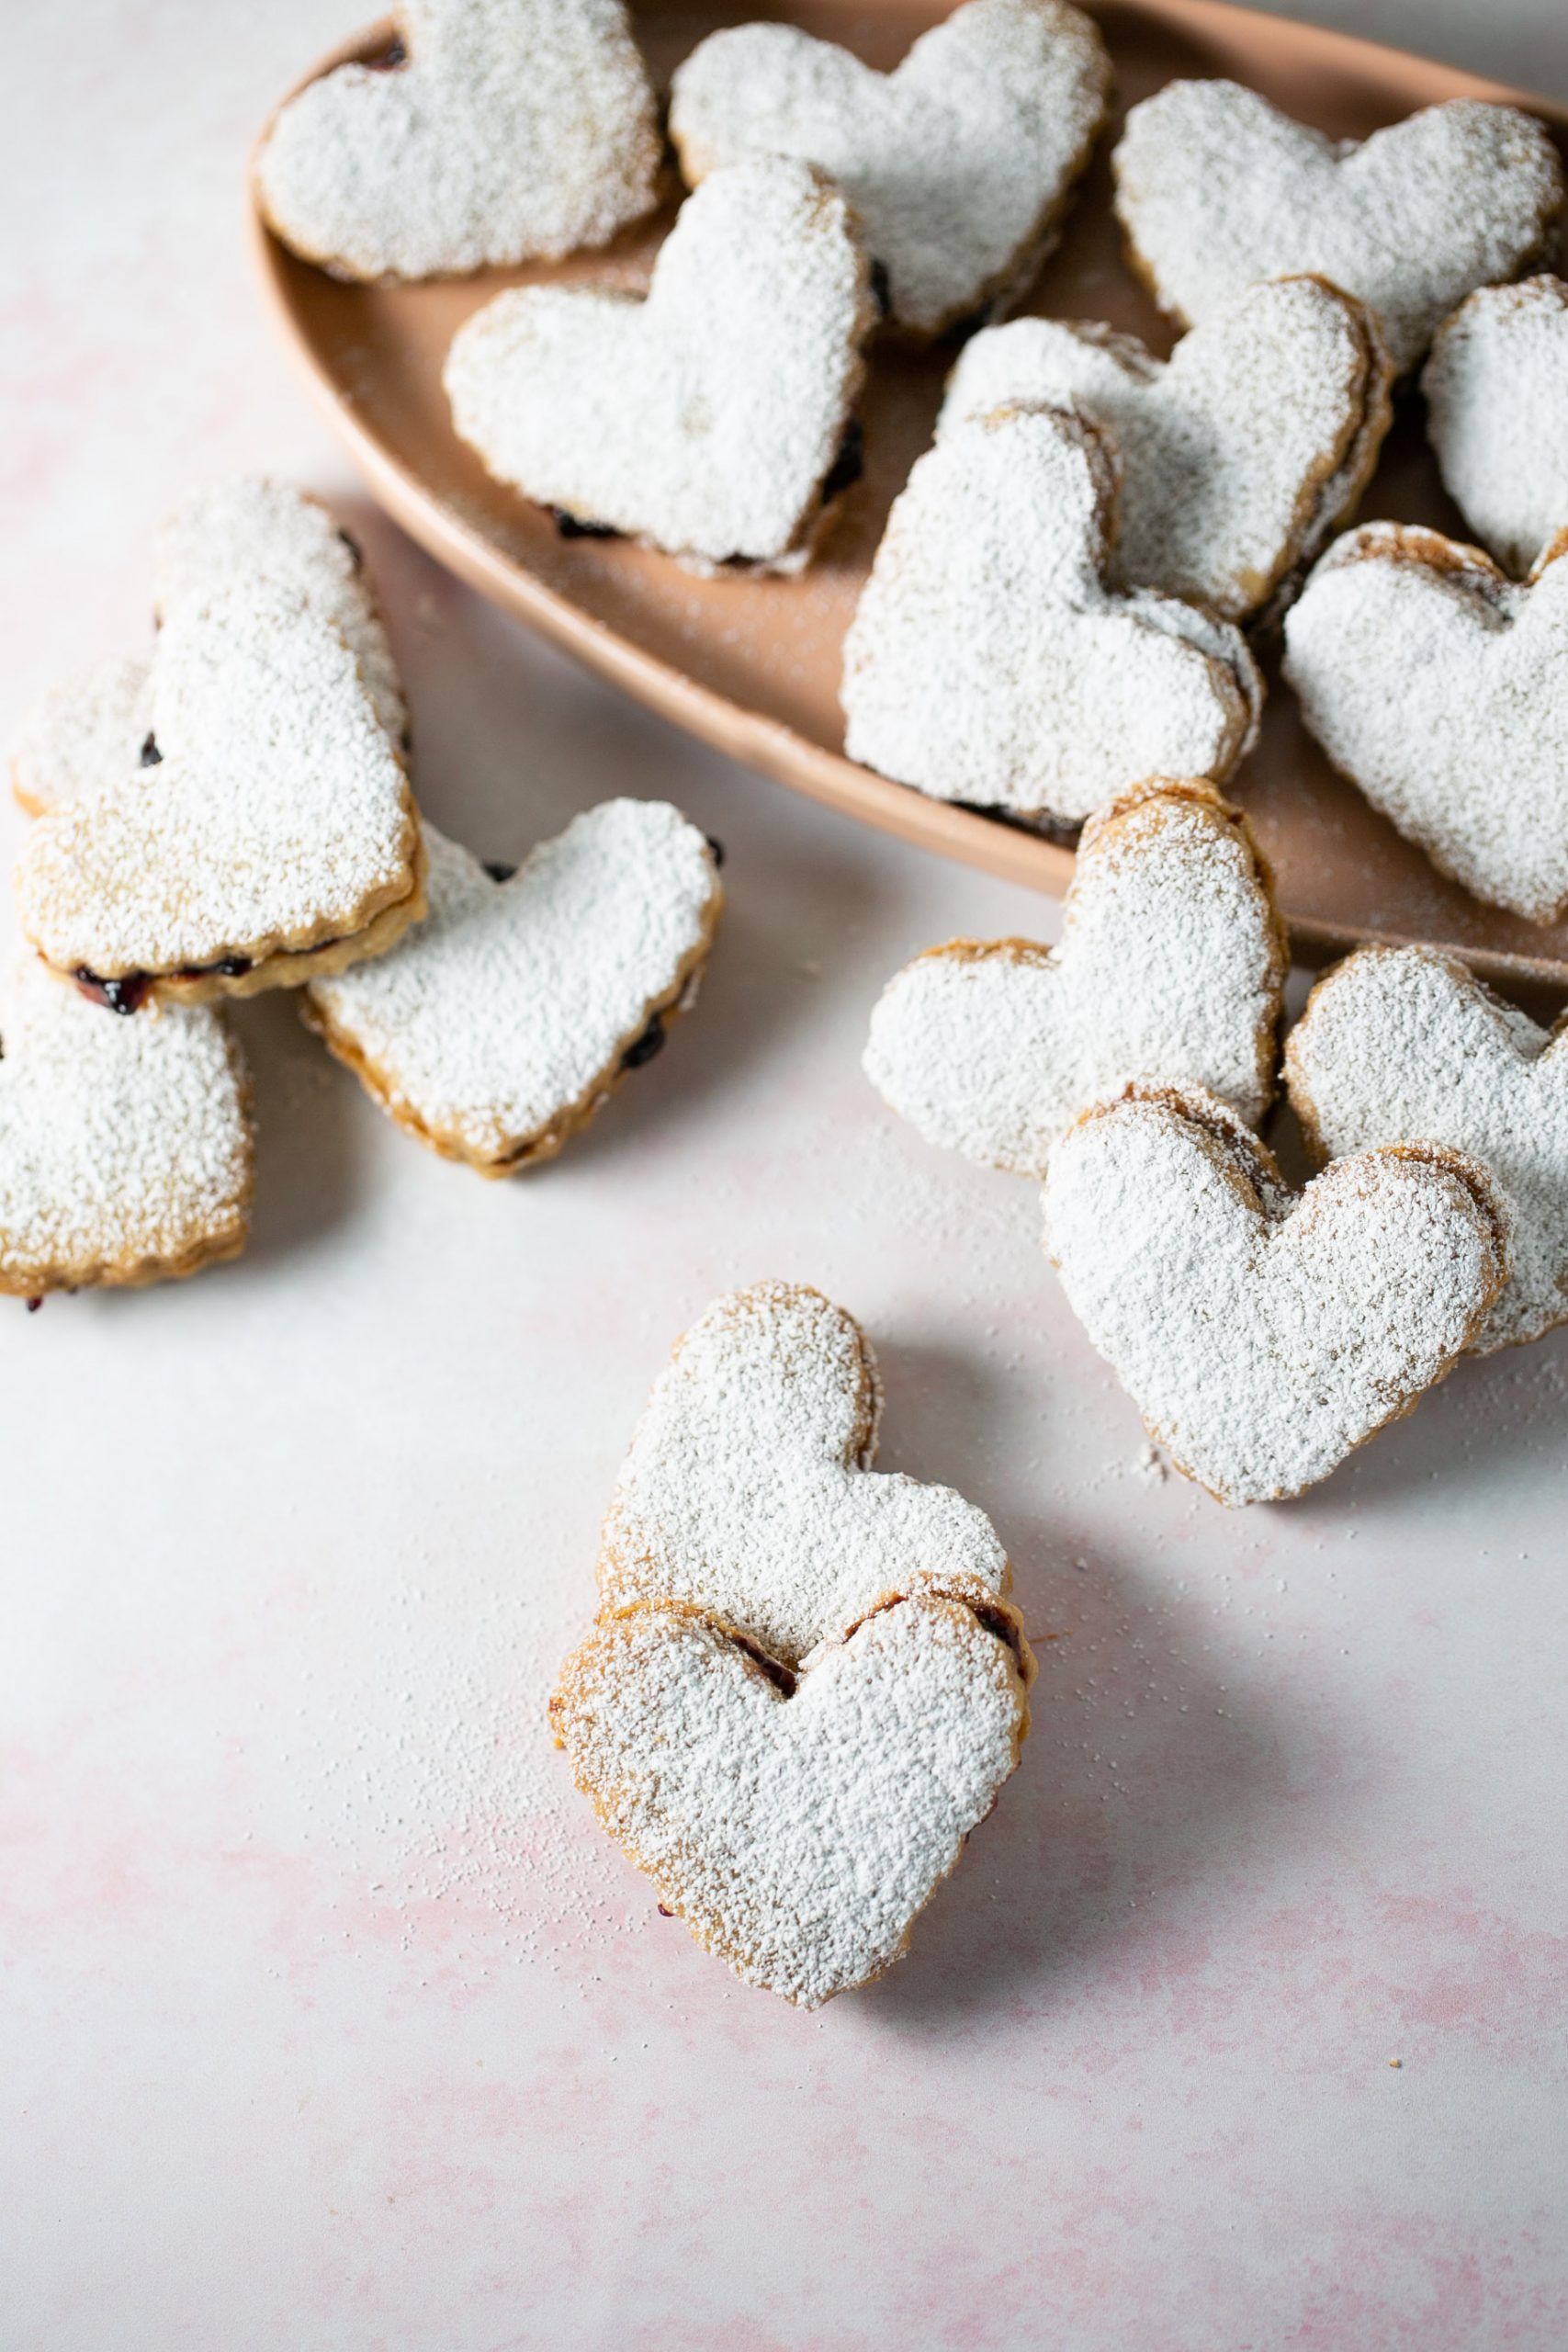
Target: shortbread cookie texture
(707,419)
(125,1145)
(1401,1045)
(797,1827)
(1264,1336)
(960,163)
(1497,388)
(1435,683)
(497,1028)
(988,662)
(1170,968)
(1215,188)
(496,131)
(748,1492)
(279,842)
(1240,455)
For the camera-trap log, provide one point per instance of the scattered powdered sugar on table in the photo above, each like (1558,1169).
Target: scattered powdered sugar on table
(1170,968)
(514,130)
(1497,388)
(1238,455)
(988,662)
(958,162)
(1215,188)
(1401,1045)
(1436,685)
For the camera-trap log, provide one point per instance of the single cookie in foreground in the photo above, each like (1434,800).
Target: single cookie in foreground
(988,662)
(1435,683)
(958,162)
(1402,1045)
(1170,968)
(1216,187)
(1240,454)
(500,1027)
(1263,1335)
(125,1145)
(1497,388)
(749,1490)
(708,419)
(489,132)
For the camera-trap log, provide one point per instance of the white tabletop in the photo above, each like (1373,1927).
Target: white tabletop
(331,2023)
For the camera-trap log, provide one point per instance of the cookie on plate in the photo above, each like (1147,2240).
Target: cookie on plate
(960,163)
(803,1688)
(126,1152)
(987,661)
(1497,388)
(1216,187)
(1239,454)
(1435,683)
(273,841)
(1170,967)
(709,419)
(1264,1335)
(487,132)
(497,1028)
(1403,1045)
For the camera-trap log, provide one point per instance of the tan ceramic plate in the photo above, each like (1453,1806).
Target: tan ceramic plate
(752,666)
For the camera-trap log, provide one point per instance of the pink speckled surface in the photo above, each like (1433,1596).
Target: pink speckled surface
(329,2021)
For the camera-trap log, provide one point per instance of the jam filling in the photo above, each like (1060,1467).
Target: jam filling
(849,465)
(33,1305)
(969,324)
(151,756)
(779,1676)
(498,869)
(716,846)
(572,526)
(387,60)
(356,552)
(124,995)
(642,1049)
(881,289)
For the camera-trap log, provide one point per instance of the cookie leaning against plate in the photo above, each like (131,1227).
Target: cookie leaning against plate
(1262,1335)
(497,1028)
(798,1799)
(126,1153)
(1401,1045)
(1435,683)
(1239,454)
(1170,967)
(494,131)
(1216,187)
(1497,388)
(707,419)
(988,662)
(960,163)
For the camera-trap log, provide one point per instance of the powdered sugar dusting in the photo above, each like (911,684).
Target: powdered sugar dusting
(125,1145)
(1170,968)
(958,162)
(1262,1337)
(82,732)
(988,662)
(1401,1045)
(1239,456)
(1436,685)
(1215,188)
(706,418)
(1497,388)
(516,130)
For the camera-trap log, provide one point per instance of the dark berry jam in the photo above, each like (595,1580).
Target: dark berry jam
(716,846)
(849,465)
(123,995)
(642,1049)
(572,526)
(881,288)
(356,553)
(151,756)
(498,869)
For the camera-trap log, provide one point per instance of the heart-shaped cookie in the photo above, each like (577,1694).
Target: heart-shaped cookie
(1435,683)
(959,163)
(1497,388)
(277,843)
(1263,1337)
(125,1145)
(748,1491)
(497,1029)
(1402,1045)
(1215,188)
(492,132)
(1170,968)
(988,662)
(1240,455)
(707,419)
(98,726)
(797,1827)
